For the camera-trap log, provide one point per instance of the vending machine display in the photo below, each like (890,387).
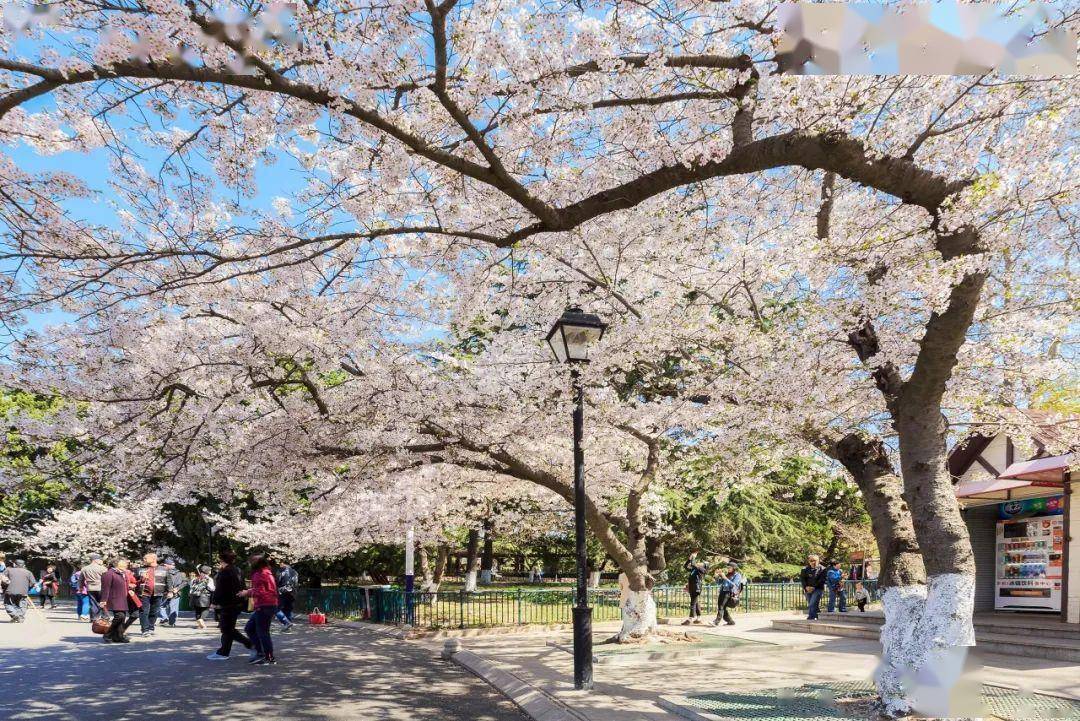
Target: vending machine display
(1029,563)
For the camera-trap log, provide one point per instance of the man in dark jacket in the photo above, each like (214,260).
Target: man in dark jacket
(170,601)
(812,579)
(287,581)
(17,584)
(115,600)
(694,584)
(151,578)
(228,583)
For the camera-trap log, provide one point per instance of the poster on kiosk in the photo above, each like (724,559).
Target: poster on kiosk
(1030,542)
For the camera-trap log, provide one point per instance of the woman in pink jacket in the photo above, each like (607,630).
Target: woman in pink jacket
(263,593)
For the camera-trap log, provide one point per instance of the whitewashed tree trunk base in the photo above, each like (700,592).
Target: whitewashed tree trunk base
(944,637)
(925,640)
(470,581)
(594,579)
(638,615)
(903,608)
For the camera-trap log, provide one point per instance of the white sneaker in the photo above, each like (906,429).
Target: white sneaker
(215,656)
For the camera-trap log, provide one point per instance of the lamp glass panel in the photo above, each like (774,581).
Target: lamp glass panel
(578,340)
(558,347)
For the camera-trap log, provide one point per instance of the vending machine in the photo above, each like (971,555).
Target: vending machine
(1030,544)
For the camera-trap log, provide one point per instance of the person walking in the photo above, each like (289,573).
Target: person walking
(812,579)
(116,599)
(151,591)
(228,585)
(200,591)
(731,586)
(170,600)
(694,583)
(287,581)
(49,584)
(17,582)
(834,581)
(91,576)
(264,595)
(82,599)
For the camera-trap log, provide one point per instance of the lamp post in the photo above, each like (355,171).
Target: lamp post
(570,339)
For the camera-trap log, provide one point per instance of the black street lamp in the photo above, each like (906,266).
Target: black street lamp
(570,339)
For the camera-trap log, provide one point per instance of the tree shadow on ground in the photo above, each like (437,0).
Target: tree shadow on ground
(323,673)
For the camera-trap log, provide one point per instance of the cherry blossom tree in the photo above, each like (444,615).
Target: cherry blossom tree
(882,226)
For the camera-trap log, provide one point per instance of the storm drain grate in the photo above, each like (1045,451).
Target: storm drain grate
(814,702)
(1013,705)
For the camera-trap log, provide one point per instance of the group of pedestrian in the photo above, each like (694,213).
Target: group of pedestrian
(150,594)
(816,579)
(730,582)
(270,596)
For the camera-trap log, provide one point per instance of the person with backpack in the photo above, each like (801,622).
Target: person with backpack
(227,598)
(287,581)
(264,596)
(200,591)
(731,585)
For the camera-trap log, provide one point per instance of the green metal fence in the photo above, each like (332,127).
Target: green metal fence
(461,609)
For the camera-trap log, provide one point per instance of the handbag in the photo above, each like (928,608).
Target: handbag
(316,617)
(99,625)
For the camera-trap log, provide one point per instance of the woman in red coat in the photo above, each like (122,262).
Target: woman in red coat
(263,593)
(115,600)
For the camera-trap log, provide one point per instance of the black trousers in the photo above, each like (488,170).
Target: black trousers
(862,604)
(227,623)
(722,610)
(116,630)
(149,612)
(695,607)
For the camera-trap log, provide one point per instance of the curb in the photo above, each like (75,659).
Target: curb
(533,702)
(672,704)
(406,633)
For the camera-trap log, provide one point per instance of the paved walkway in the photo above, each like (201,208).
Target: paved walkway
(627,687)
(55,669)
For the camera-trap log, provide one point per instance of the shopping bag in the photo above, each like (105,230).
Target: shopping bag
(316,617)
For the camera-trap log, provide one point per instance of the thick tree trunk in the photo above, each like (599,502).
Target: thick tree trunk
(472,560)
(426,574)
(946,631)
(488,557)
(901,576)
(654,552)
(637,607)
(936,643)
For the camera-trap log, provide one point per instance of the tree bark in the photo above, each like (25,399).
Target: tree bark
(654,552)
(472,560)
(486,560)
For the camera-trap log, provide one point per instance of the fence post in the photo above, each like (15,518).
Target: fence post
(461,608)
(519,609)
